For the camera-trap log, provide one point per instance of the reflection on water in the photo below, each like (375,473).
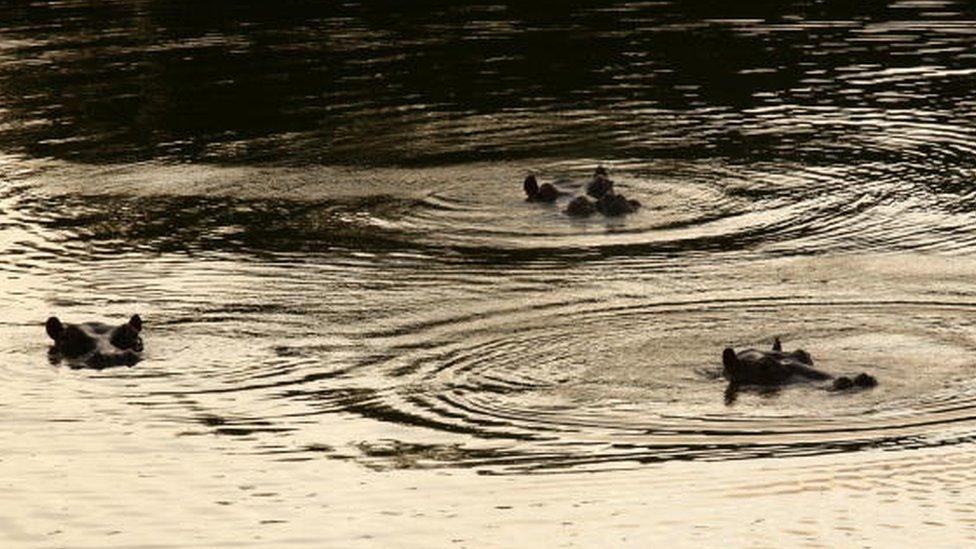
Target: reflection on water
(317,211)
(381,82)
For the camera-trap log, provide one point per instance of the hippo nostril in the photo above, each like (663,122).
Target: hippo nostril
(105,359)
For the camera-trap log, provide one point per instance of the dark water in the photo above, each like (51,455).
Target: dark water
(446,82)
(316,208)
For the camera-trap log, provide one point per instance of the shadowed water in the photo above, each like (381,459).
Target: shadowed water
(317,211)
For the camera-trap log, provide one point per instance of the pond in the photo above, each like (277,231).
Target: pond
(359,333)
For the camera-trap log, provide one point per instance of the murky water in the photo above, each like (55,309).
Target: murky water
(358,333)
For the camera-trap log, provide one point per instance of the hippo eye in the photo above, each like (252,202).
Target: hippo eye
(76,341)
(124,337)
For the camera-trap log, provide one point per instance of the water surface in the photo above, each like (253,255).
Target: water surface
(359,333)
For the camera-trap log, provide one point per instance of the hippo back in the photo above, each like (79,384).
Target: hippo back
(772,367)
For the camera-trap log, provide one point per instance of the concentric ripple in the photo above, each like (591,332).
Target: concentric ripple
(492,333)
(317,211)
(587,383)
(355,272)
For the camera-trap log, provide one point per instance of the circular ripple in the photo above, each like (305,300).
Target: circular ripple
(706,206)
(589,383)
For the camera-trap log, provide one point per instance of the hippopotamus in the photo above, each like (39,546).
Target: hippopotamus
(776,367)
(580,207)
(608,202)
(610,205)
(601,183)
(95,344)
(534,193)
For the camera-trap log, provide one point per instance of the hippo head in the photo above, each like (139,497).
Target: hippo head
(95,344)
(802,356)
(599,186)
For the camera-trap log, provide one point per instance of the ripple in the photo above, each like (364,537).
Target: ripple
(565,346)
(688,207)
(342,279)
(644,389)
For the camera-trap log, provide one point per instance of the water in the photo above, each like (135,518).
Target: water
(358,333)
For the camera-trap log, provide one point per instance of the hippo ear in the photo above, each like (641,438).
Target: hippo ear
(136,323)
(54,328)
(531,186)
(777,346)
(729,360)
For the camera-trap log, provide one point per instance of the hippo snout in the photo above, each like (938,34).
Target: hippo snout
(112,358)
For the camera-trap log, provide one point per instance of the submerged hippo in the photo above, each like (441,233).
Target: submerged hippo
(535,193)
(610,205)
(775,367)
(580,207)
(601,183)
(95,344)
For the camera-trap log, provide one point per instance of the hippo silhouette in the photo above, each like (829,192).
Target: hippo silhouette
(600,185)
(610,205)
(580,207)
(535,193)
(609,202)
(776,367)
(95,344)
